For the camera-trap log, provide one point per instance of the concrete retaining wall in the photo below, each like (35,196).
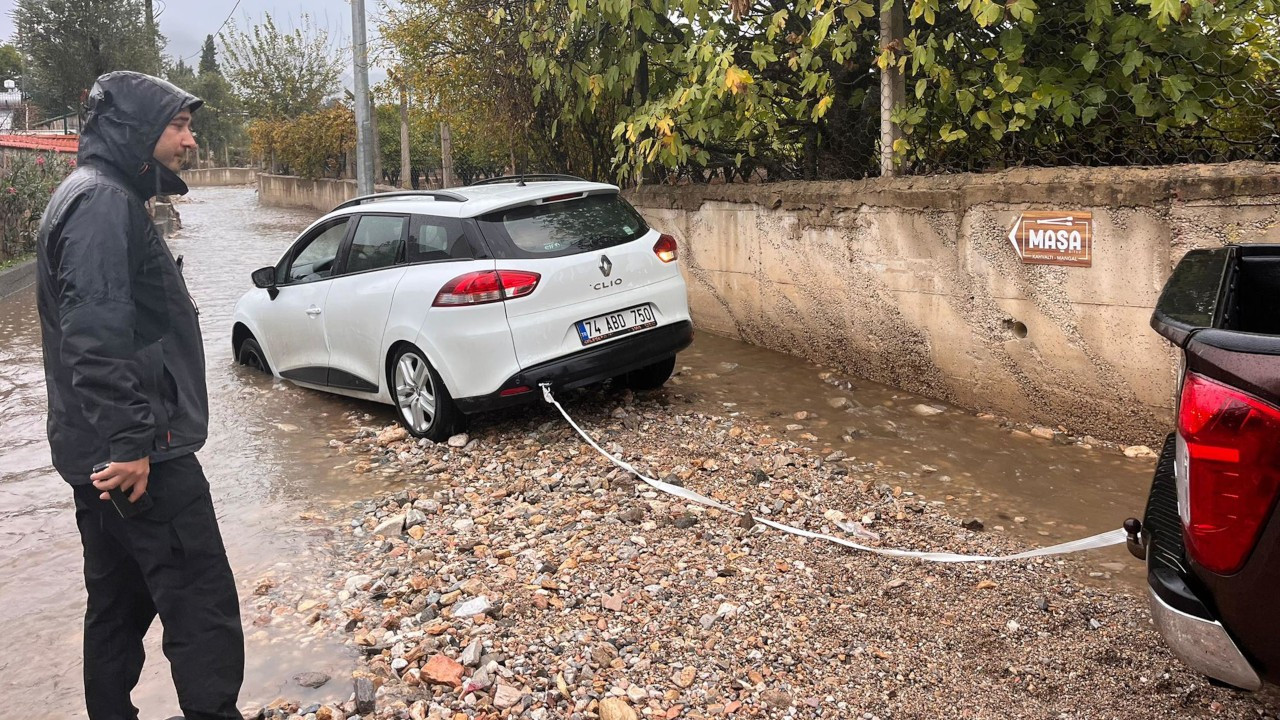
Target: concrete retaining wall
(319,195)
(219,177)
(17,278)
(913,282)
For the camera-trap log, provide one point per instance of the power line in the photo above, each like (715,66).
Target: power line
(215,32)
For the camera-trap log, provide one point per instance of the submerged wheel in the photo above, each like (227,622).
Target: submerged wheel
(423,403)
(652,377)
(251,356)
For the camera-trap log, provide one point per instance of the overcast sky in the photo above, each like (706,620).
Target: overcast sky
(185,23)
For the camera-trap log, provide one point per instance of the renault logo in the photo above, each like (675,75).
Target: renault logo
(606,266)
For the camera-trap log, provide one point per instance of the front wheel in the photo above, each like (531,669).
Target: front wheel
(251,356)
(651,377)
(423,403)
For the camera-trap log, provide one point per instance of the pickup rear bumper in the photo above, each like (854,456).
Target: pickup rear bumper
(1187,624)
(1200,642)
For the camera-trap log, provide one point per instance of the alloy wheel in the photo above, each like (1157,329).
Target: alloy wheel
(415,392)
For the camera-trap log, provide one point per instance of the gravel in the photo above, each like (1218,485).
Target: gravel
(535,580)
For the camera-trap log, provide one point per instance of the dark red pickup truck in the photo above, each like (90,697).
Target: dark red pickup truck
(1210,535)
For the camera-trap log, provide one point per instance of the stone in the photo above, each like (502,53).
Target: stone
(685,677)
(616,709)
(506,696)
(441,670)
(395,433)
(1043,433)
(1139,451)
(311,679)
(777,699)
(414,518)
(612,602)
(478,605)
(391,526)
(366,697)
(839,403)
(471,654)
(459,441)
(927,411)
(972,524)
(603,654)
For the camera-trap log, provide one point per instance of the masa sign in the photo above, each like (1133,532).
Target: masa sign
(1044,237)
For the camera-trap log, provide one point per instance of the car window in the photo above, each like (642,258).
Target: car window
(316,259)
(437,238)
(376,242)
(594,222)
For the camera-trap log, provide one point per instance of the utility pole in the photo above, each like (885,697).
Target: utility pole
(364,124)
(446,156)
(406,180)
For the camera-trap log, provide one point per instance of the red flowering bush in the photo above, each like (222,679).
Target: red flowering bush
(26,181)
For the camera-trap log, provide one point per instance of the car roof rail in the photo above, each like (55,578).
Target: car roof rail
(523,177)
(443,195)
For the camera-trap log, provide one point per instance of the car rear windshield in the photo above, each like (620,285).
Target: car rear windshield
(563,227)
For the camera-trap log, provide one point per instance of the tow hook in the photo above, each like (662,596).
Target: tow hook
(1137,548)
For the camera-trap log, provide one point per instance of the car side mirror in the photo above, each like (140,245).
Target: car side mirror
(265,278)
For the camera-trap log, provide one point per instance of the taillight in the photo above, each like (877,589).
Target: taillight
(478,288)
(1228,471)
(666,249)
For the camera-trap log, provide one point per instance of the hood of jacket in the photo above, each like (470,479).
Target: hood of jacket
(128,112)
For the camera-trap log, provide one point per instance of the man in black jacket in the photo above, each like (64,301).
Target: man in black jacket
(124,366)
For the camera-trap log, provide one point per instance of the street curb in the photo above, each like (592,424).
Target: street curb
(17,278)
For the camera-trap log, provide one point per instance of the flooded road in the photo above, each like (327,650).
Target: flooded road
(269,461)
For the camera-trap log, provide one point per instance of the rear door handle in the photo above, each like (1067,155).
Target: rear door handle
(314,311)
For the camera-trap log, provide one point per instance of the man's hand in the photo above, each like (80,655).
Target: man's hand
(130,477)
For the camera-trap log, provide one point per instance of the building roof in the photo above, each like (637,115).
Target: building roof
(47,143)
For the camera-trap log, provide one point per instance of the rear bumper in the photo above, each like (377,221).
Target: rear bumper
(1185,621)
(587,366)
(1199,641)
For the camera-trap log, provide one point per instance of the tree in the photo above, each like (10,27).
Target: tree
(281,74)
(218,123)
(10,63)
(209,57)
(691,86)
(67,44)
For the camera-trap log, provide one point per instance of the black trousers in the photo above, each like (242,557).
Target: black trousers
(169,561)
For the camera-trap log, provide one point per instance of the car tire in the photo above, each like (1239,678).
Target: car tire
(423,404)
(250,355)
(652,377)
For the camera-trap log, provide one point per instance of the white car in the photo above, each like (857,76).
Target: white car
(451,302)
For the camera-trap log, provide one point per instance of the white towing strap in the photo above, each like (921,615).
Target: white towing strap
(1106,539)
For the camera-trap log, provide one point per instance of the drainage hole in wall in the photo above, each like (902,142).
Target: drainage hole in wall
(1017,328)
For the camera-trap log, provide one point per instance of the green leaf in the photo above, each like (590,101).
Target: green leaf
(1132,60)
(1089,61)
(820,27)
(921,85)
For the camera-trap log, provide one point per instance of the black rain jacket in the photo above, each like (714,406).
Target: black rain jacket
(123,357)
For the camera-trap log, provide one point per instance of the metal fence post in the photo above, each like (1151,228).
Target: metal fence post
(893,89)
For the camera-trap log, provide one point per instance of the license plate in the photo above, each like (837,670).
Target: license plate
(603,327)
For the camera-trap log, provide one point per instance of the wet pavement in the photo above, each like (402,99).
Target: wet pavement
(269,461)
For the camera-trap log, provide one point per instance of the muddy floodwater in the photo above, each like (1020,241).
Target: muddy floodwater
(269,462)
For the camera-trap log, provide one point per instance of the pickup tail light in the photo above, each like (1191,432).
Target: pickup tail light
(666,249)
(487,286)
(1228,471)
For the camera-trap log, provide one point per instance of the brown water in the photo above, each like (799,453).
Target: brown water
(268,460)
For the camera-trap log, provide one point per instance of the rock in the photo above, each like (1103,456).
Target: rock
(895,583)
(685,677)
(777,699)
(633,515)
(686,521)
(393,434)
(1043,433)
(802,415)
(414,518)
(1094,624)
(460,440)
(1013,626)
(475,606)
(311,679)
(441,670)
(927,411)
(391,526)
(471,654)
(616,709)
(1138,451)
(356,582)
(612,602)
(481,680)
(366,697)
(972,524)
(839,403)
(603,654)
(506,696)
